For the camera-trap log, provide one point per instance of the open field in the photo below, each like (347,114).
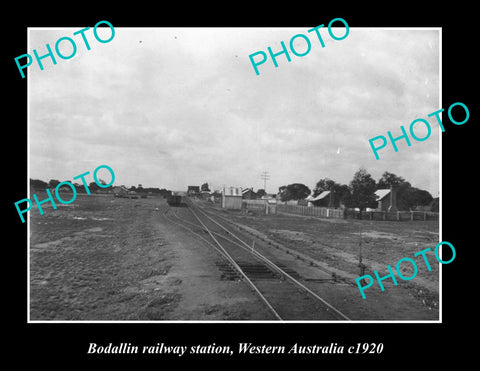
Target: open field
(105,258)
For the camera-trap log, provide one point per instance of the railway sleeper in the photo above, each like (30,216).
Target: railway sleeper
(227,272)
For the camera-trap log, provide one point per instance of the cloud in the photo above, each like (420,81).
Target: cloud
(184,106)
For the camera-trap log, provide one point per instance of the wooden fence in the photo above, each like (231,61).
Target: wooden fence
(273,208)
(321,212)
(396,216)
(254,204)
(325,212)
(263,205)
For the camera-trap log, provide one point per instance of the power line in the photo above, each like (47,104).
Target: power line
(265,176)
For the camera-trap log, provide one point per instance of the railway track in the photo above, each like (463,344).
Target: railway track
(279,287)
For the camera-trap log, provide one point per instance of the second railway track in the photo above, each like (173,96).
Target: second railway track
(279,287)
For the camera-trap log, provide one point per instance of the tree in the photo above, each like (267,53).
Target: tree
(323,185)
(79,187)
(38,184)
(204,187)
(260,193)
(93,187)
(407,196)
(363,188)
(413,197)
(52,183)
(341,192)
(389,179)
(295,191)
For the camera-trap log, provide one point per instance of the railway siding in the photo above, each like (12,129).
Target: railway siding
(272,293)
(333,249)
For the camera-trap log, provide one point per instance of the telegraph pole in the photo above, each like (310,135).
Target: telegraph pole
(265,176)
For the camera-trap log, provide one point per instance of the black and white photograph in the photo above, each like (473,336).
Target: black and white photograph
(235,174)
(272,183)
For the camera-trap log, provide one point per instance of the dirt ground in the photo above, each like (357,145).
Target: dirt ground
(104,258)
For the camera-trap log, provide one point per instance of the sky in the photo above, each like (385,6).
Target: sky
(172,107)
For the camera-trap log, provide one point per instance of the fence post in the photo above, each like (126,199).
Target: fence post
(424,215)
(411,215)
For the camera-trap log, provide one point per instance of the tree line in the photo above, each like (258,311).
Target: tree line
(360,192)
(38,184)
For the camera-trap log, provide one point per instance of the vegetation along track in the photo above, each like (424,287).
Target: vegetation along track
(285,296)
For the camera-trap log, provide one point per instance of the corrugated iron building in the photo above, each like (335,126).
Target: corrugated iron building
(120,191)
(383,198)
(232,198)
(249,194)
(323,199)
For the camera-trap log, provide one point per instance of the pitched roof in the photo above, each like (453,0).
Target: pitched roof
(381,193)
(246,190)
(319,197)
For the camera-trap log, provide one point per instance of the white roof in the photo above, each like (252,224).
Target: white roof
(319,197)
(381,193)
(267,197)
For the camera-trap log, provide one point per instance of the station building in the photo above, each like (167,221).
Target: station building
(232,198)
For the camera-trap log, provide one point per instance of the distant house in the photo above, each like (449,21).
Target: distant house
(205,195)
(324,199)
(124,192)
(249,194)
(271,198)
(232,198)
(193,190)
(132,194)
(268,196)
(120,192)
(384,199)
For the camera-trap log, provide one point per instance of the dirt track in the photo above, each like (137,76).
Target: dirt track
(104,258)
